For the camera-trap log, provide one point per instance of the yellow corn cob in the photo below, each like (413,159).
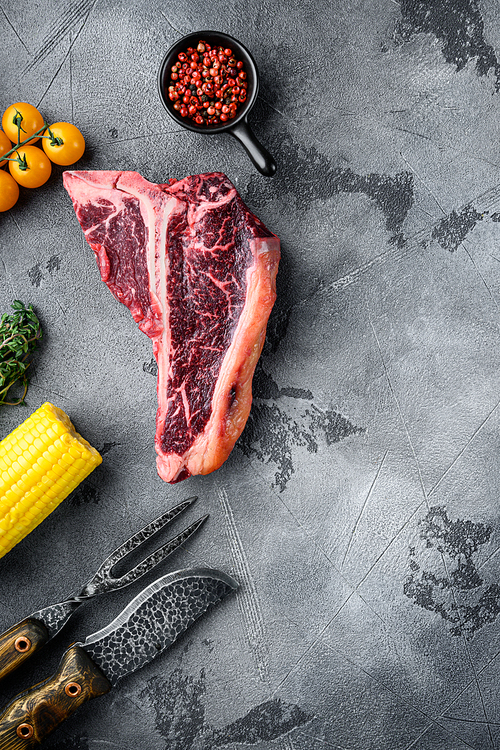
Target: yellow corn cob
(41,462)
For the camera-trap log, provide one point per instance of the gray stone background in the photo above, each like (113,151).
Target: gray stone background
(359,510)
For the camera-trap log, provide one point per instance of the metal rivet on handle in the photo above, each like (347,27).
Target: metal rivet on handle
(22,644)
(73,689)
(25,731)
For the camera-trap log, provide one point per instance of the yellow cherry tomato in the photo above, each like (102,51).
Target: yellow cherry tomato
(31,167)
(27,117)
(5,145)
(9,191)
(63,143)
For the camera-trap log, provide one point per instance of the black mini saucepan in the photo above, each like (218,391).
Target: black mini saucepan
(237,127)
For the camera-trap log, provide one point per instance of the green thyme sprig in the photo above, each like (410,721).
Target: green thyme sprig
(20,332)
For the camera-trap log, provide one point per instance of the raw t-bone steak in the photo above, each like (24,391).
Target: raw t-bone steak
(197,271)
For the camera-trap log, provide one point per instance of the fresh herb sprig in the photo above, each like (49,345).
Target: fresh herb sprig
(20,332)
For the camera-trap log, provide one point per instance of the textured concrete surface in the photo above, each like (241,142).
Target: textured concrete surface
(360,509)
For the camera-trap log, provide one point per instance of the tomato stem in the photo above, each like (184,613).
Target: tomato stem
(17,120)
(21,160)
(55,140)
(23,143)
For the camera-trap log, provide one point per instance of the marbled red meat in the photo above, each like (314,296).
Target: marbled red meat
(197,271)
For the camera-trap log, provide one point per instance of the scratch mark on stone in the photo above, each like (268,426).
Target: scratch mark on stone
(424,183)
(418,738)
(65,20)
(61,308)
(35,385)
(489,558)
(170,22)
(9,22)
(275,109)
(17,226)
(470,721)
(6,274)
(142,137)
(71,92)
(247,595)
(358,519)
(400,412)
(72,42)
(404,701)
(483,280)
(441,146)
(410,132)
(462,451)
(331,289)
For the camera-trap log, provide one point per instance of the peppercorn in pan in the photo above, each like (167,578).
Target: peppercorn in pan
(207,84)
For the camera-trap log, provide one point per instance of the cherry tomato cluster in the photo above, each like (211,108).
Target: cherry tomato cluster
(29,165)
(207,84)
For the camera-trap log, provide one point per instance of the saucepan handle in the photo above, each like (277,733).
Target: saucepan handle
(260,157)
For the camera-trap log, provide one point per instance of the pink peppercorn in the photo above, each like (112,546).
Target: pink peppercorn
(207,84)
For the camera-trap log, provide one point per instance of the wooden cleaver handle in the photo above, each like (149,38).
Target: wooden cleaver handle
(35,713)
(19,643)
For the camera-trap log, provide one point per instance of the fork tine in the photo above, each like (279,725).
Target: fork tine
(156,557)
(102,580)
